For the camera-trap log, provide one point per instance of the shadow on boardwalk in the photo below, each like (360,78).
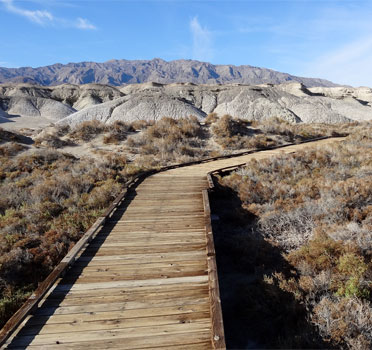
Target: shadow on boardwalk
(257,315)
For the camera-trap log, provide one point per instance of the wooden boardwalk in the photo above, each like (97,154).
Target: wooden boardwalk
(148,279)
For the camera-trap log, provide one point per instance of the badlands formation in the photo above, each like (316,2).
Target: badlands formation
(72,104)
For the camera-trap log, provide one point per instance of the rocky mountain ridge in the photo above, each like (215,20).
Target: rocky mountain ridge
(119,72)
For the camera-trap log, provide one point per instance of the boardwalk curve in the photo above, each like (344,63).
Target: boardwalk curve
(148,279)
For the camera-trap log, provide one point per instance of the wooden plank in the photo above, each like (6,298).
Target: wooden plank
(111,230)
(114,324)
(129,305)
(135,275)
(112,251)
(139,258)
(218,333)
(87,317)
(128,284)
(116,270)
(173,341)
(66,293)
(144,237)
(158,217)
(135,267)
(123,333)
(149,240)
(57,300)
(185,247)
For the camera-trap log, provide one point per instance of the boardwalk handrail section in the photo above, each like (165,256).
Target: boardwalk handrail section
(59,271)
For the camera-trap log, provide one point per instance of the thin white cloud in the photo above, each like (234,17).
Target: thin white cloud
(202,41)
(40,17)
(43,17)
(349,64)
(83,23)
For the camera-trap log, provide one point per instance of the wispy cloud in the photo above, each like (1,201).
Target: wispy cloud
(202,41)
(43,17)
(40,17)
(83,23)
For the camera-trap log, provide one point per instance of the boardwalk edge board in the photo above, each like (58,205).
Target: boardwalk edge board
(59,271)
(218,333)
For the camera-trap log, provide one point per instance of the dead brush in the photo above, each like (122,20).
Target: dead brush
(52,141)
(117,132)
(141,124)
(88,130)
(314,206)
(170,139)
(11,149)
(232,133)
(211,118)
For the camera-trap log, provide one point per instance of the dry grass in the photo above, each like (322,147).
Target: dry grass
(315,207)
(48,201)
(49,198)
(169,141)
(87,131)
(236,134)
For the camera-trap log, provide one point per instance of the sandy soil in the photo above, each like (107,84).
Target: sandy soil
(21,122)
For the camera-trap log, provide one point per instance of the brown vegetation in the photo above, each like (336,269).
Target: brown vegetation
(315,209)
(170,141)
(48,201)
(50,198)
(235,134)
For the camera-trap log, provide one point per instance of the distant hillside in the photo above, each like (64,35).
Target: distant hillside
(119,72)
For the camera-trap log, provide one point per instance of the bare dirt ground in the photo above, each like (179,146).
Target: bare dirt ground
(21,122)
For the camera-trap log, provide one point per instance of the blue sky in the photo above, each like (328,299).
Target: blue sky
(315,38)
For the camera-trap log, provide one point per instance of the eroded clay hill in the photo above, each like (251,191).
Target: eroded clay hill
(72,104)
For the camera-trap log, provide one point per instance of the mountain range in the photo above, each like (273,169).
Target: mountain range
(120,72)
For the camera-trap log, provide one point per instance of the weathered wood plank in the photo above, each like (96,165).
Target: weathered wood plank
(116,323)
(128,284)
(116,296)
(66,293)
(122,306)
(113,315)
(123,333)
(195,340)
(136,275)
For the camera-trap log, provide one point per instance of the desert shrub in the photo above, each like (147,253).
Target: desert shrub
(62,129)
(11,149)
(315,206)
(345,322)
(88,130)
(170,140)
(111,139)
(117,132)
(230,133)
(234,134)
(141,124)
(226,127)
(52,141)
(211,118)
